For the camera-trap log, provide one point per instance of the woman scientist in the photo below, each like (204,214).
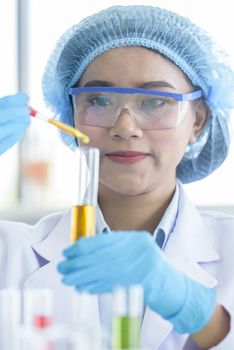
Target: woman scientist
(154,94)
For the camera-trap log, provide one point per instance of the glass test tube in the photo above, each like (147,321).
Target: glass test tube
(28,339)
(126,325)
(81,320)
(61,337)
(86,188)
(80,304)
(38,308)
(57,337)
(87,336)
(10,315)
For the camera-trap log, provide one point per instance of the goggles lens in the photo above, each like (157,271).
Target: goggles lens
(150,111)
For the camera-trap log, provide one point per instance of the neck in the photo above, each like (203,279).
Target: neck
(134,212)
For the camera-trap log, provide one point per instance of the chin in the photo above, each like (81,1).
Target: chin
(128,192)
(130,189)
(127,184)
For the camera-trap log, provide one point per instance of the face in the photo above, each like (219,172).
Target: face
(135,161)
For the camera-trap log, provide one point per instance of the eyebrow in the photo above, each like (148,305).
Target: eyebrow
(148,85)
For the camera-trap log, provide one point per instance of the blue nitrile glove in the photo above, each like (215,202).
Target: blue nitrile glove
(97,264)
(14,119)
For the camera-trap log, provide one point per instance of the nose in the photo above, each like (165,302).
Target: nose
(125,126)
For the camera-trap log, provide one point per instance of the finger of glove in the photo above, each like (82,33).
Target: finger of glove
(10,135)
(14,115)
(130,266)
(132,273)
(82,261)
(96,287)
(101,265)
(81,277)
(120,245)
(92,244)
(143,269)
(88,277)
(10,141)
(19,99)
(99,270)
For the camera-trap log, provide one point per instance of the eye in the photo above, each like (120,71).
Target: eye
(153,102)
(101,101)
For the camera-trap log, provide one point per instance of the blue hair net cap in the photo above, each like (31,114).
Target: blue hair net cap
(177,38)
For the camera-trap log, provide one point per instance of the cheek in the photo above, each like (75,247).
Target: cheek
(170,144)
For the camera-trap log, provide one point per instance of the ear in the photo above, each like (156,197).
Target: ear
(201,114)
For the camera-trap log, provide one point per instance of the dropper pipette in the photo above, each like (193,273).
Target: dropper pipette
(62,126)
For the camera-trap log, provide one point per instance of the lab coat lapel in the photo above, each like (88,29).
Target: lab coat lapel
(187,246)
(51,246)
(50,249)
(154,330)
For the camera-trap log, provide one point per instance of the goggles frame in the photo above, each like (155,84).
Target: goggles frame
(177,96)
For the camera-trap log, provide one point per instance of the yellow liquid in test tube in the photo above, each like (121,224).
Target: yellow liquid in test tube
(86,172)
(83,222)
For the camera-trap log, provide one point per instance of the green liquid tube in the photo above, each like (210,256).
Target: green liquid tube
(126,323)
(126,332)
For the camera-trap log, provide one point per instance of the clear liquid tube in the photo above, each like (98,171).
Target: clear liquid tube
(38,308)
(10,315)
(85,192)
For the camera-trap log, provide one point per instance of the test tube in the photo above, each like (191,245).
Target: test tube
(38,308)
(86,336)
(57,337)
(10,315)
(126,325)
(62,337)
(28,339)
(86,188)
(80,304)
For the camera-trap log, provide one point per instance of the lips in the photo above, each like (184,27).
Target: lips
(126,157)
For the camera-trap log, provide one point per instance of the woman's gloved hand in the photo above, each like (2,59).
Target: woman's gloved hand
(14,119)
(99,263)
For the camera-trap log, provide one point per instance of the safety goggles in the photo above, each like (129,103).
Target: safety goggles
(151,109)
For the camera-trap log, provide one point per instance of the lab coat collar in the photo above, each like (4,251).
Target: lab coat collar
(192,233)
(51,247)
(167,222)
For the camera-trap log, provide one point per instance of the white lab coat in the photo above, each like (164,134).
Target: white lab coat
(202,245)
